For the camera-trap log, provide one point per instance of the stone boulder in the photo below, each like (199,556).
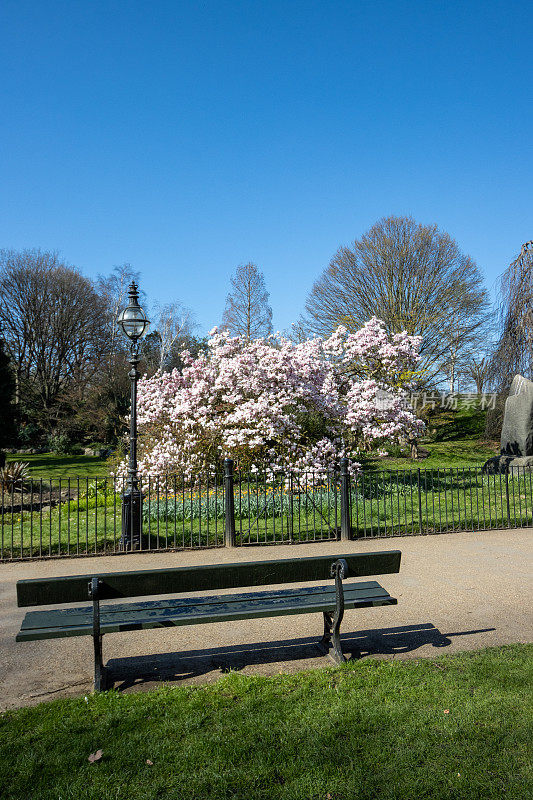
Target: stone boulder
(516,442)
(500,465)
(517,428)
(520,465)
(497,465)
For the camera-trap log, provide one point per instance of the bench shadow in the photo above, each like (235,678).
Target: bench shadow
(125,673)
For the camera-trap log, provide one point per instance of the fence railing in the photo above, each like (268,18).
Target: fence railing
(82,516)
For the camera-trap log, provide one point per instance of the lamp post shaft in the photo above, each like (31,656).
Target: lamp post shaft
(132,498)
(132,467)
(134,323)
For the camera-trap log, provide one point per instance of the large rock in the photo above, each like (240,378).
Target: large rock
(520,465)
(516,443)
(517,428)
(496,465)
(508,464)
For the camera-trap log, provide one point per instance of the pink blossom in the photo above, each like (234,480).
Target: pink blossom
(273,401)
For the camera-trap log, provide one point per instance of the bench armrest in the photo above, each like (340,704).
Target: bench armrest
(339,569)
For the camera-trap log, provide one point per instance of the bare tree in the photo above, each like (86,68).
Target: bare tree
(478,370)
(54,324)
(514,350)
(247,311)
(173,327)
(113,289)
(414,278)
(297,332)
(454,356)
(463,352)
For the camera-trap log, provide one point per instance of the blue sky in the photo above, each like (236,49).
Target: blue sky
(187,137)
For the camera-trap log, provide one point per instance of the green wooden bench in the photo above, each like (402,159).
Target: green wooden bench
(97,620)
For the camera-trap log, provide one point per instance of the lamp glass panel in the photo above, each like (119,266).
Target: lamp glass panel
(133,321)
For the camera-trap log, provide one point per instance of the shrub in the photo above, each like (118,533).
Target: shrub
(302,405)
(60,444)
(100,489)
(397,451)
(13,475)
(30,435)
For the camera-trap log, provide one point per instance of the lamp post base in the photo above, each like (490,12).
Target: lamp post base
(131,520)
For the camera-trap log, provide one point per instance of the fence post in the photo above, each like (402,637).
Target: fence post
(345,500)
(229,504)
(507,497)
(291,506)
(419,501)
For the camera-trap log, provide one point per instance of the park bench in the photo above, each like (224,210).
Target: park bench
(99,619)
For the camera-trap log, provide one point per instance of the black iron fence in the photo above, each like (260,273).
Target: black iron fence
(82,516)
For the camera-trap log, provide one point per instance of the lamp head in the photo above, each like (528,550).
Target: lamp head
(133,321)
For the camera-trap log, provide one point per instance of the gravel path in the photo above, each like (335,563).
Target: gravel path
(455,592)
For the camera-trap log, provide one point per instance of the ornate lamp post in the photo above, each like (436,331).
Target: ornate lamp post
(134,323)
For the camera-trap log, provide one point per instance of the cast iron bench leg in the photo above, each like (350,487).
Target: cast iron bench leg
(100,678)
(100,675)
(332,625)
(324,643)
(336,653)
(340,570)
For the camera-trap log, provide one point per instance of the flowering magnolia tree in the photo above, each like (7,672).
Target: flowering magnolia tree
(271,401)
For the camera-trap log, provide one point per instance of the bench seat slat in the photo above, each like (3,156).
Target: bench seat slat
(145,611)
(189,611)
(69,616)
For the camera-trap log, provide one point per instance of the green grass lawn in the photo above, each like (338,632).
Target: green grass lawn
(455,439)
(454,728)
(50,465)
(445,454)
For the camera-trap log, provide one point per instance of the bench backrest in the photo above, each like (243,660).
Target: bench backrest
(74,588)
